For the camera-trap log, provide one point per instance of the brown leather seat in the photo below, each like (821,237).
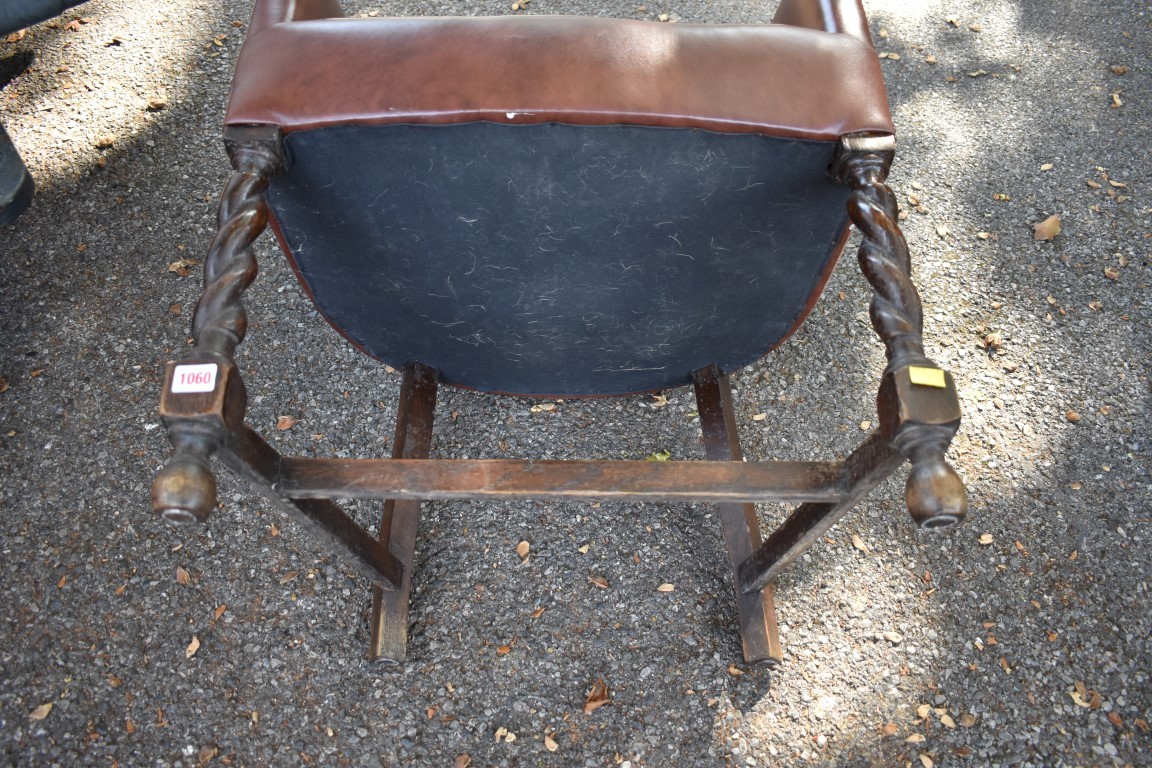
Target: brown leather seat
(570,206)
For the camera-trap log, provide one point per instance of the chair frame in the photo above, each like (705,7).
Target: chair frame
(918,414)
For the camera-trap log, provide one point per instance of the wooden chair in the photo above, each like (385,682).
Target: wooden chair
(560,206)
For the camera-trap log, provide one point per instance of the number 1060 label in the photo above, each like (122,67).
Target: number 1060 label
(194,378)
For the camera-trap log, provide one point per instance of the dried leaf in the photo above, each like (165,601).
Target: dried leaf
(985,539)
(286,422)
(889,729)
(220,610)
(538,612)
(923,710)
(207,752)
(522,549)
(1047,167)
(583,549)
(3,385)
(1047,229)
(947,721)
(658,401)
(193,646)
(182,267)
(967,720)
(550,743)
(1004,665)
(1119,69)
(892,637)
(182,576)
(543,408)
(759,417)
(859,544)
(659,456)
(1115,719)
(666,587)
(597,697)
(942,231)
(926,761)
(130,727)
(40,712)
(462,761)
(598,580)
(1112,273)
(734,670)
(865,425)
(915,738)
(155,105)
(1072,416)
(288,577)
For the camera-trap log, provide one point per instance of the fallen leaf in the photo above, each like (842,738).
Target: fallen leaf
(859,544)
(583,549)
(550,743)
(923,710)
(1093,184)
(760,417)
(889,729)
(599,581)
(947,721)
(1141,723)
(63,580)
(129,726)
(3,385)
(597,697)
(291,575)
(658,401)
(1072,416)
(522,549)
(155,105)
(207,752)
(1115,719)
(1020,548)
(1004,665)
(462,761)
(865,425)
(929,59)
(985,539)
(1047,229)
(220,610)
(538,612)
(734,670)
(666,587)
(976,27)
(942,231)
(967,720)
(659,456)
(1112,273)
(182,267)
(40,712)
(543,408)
(1047,167)
(926,761)
(286,422)
(892,637)
(182,576)
(193,646)
(915,738)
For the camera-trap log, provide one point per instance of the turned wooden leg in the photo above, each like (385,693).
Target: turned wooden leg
(203,395)
(918,407)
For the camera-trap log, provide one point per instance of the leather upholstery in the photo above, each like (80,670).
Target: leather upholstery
(774,79)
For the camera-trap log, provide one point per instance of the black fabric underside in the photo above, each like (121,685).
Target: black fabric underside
(557,259)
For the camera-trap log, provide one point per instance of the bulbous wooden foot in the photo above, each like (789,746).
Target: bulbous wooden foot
(184,491)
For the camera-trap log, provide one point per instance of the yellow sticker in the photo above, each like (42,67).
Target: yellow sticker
(926,377)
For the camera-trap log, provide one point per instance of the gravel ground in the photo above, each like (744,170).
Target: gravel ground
(1021,638)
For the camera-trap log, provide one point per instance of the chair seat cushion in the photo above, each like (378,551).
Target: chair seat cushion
(770,79)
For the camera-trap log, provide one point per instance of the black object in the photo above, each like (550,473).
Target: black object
(16,185)
(18,14)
